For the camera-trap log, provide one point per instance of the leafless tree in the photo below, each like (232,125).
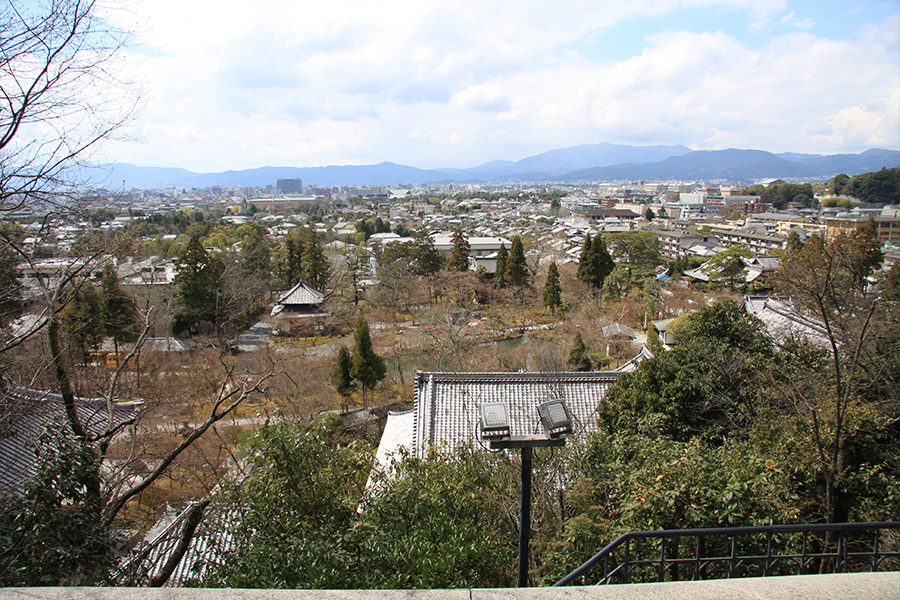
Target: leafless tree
(60,97)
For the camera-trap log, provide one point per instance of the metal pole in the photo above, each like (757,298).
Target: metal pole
(525,517)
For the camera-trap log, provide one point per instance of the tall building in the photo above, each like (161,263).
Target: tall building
(289,186)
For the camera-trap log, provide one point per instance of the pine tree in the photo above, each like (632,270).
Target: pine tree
(119,311)
(584,261)
(600,264)
(459,256)
(315,271)
(82,320)
(500,271)
(552,289)
(368,368)
(578,357)
(516,272)
(197,282)
(341,376)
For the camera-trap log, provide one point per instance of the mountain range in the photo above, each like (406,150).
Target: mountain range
(603,162)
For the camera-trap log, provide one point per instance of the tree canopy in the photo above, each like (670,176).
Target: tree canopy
(459,254)
(515,274)
(552,289)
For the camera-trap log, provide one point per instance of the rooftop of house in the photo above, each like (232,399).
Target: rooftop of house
(26,413)
(446,409)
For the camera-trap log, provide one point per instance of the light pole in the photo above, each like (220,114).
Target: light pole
(495,429)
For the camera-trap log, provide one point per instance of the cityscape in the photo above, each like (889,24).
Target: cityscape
(594,358)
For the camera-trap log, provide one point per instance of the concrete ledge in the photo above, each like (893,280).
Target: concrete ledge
(853,586)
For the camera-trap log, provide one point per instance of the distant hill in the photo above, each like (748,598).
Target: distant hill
(732,165)
(591,162)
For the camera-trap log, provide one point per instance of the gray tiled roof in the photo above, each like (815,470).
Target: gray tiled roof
(301,294)
(783,320)
(26,414)
(447,404)
(212,540)
(619,329)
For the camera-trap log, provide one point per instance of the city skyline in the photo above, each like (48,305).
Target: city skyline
(440,84)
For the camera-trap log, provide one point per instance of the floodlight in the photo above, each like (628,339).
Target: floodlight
(556,418)
(494,420)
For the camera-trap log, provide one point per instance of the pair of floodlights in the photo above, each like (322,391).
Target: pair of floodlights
(495,425)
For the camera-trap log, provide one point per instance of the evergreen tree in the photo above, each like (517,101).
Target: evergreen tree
(584,261)
(255,256)
(119,311)
(82,321)
(600,263)
(459,256)
(315,270)
(293,266)
(892,283)
(500,272)
(197,282)
(578,356)
(342,376)
(10,287)
(368,368)
(516,272)
(552,289)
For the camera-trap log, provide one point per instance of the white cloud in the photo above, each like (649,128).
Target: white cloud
(457,83)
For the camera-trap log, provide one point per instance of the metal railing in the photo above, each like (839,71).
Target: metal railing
(730,552)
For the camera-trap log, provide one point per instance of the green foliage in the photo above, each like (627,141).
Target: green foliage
(552,289)
(595,263)
(728,265)
(616,283)
(82,321)
(782,194)
(10,286)
(579,357)
(459,255)
(584,260)
(52,536)
(847,382)
(892,283)
(342,375)
(500,272)
(446,521)
(418,254)
(639,250)
(197,281)
(367,367)
(301,258)
(118,308)
(650,481)
(707,385)
(878,187)
(368,227)
(516,272)
(301,498)
(678,266)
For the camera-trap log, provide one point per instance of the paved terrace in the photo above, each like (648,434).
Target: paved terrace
(852,586)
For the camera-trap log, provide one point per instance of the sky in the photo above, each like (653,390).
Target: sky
(232,84)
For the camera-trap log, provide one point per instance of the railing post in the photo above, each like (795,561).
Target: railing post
(661,572)
(812,556)
(525,517)
(875,553)
(731,566)
(698,564)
